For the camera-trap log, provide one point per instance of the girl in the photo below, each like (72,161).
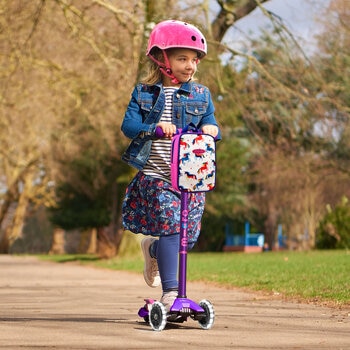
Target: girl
(167,98)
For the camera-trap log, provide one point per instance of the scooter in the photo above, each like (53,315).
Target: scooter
(154,312)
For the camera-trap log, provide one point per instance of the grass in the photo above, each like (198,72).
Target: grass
(316,276)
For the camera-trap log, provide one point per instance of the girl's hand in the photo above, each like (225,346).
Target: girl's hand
(168,129)
(212,130)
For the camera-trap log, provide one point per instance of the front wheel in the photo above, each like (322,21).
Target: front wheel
(157,316)
(207,321)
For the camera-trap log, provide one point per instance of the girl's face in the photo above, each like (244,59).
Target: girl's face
(183,63)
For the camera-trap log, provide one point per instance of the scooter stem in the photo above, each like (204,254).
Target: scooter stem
(183,245)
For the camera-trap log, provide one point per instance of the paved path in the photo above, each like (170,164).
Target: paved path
(45,305)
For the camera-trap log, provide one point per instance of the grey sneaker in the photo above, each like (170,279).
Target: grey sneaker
(150,271)
(168,299)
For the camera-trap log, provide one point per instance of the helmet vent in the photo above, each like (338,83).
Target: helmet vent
(193,38)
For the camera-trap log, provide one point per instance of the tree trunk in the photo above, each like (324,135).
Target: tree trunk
(92,248)
(5,243)
(58,242)
(14,229)
(106,248)
(6,224)
(270,226)
(114,229)
(229,14)
(7,200)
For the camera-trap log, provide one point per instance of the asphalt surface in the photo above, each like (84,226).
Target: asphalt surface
(46,305)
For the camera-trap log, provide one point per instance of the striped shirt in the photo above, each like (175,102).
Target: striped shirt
(158,164)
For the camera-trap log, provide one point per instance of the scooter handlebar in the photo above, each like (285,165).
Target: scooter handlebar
(160,134)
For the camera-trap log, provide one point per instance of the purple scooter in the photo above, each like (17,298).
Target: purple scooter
(154,312)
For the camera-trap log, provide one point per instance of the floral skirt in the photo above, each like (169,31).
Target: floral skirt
(152,207)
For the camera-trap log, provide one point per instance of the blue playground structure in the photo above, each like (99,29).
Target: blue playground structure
(249,242)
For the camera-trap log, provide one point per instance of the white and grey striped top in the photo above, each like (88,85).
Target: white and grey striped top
(158,164)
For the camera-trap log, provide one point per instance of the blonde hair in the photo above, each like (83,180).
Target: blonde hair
(153,75)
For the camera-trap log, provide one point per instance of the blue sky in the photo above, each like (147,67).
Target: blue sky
(302,18)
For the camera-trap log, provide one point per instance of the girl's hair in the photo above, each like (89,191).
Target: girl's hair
(153,75)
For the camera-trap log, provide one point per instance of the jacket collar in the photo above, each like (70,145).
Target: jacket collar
(184,88)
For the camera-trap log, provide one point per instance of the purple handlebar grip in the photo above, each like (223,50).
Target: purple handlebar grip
(159,132)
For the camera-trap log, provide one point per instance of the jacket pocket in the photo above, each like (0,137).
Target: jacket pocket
(195,112)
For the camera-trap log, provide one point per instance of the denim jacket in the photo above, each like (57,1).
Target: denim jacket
(192,103)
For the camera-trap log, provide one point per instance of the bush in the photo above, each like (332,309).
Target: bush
(334,229)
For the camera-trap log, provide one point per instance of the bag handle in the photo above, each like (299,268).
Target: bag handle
(190,127)
(160,134)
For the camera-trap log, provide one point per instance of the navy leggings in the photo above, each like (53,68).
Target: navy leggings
(166,251)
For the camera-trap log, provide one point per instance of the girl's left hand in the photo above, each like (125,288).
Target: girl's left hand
(212,130)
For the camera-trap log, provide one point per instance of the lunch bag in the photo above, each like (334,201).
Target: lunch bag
(193,162)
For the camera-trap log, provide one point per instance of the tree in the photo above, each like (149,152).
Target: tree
(58,61)
(334,230)
(294,115)
(87,191)
(333,59)
(23,142)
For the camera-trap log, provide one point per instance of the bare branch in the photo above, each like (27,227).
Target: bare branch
(36,19)
(229,14)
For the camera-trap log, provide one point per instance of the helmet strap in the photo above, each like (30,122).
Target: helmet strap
(165,68)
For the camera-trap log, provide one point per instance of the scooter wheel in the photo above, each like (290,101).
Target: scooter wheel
(207,321)
(157,316)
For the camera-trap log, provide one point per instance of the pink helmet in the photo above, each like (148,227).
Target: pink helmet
(176,34)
